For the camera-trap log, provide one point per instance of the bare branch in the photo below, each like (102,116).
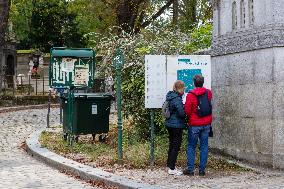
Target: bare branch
(159,13)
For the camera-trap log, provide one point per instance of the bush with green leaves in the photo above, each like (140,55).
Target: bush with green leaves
(157,41)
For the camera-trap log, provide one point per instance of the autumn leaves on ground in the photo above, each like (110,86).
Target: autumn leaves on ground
(135,151)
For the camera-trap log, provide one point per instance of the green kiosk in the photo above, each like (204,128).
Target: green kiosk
(71,73)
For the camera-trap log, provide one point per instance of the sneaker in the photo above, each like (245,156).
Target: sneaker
(174,172)
(188,172)
(201,173)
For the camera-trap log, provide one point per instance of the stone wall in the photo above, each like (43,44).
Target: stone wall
(248,84)
(1,66)
(23,67)
(248,90)
(23,60)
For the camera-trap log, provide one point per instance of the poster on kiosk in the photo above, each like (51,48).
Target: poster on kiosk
(161,71)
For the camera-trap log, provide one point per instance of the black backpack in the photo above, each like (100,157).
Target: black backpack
(204,107)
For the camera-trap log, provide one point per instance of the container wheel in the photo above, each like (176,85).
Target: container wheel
(76,138)
(102,138)
(65,136)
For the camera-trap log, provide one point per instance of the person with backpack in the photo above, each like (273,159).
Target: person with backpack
(198,109)
(173,111)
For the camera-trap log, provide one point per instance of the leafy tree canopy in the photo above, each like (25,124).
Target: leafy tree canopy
(155,41)
(53,25)
(20,15)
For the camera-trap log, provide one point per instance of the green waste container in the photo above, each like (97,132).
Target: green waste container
(90,113)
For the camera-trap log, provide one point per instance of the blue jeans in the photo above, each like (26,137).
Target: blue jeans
(195,133)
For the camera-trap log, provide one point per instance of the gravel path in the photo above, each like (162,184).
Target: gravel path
(17,168)
(244,180)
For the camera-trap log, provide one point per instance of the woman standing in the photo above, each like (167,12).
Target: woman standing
(175,125)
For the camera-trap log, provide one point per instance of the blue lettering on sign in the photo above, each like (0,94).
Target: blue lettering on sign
(188,61)
(186,76)
(184,60)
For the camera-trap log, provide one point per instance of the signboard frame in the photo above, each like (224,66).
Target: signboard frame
(66,62)
(161,71)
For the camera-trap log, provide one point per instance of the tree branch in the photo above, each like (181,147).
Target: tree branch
(108,4)
(159,13)
(135,8)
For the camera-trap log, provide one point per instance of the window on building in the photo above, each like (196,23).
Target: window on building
(243,14)
(219,18)
(234,16)
(251,12)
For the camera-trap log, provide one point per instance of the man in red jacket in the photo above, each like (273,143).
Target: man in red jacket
(198,126)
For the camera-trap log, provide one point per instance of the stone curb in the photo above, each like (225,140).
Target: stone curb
(19,108)
(85,172)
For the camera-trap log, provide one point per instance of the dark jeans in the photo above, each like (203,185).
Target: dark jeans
(195,133)
(175,139)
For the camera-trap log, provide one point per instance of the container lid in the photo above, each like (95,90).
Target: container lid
(91,95)
(65,52)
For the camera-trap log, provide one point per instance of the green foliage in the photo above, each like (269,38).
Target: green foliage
(135,47)
(20,15)
(92,16)
(194,13)
(201,38)
(53,25)
(42,24)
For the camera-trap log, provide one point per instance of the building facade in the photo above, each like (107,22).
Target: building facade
(8,65)
(248,80)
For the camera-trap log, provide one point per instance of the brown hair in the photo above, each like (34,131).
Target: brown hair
(198,80)
(179,86)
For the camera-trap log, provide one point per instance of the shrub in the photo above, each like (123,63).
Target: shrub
(157,41)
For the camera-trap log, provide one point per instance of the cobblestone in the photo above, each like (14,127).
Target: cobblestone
(17,168)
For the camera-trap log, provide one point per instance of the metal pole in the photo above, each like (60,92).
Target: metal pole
(21,84)
(48,110)
(5,86)
(119,115)
(42,84)
(70,116)
(14,82)
(1,84)
(152,159)
(118,62)
(60,106)
(29,93)
(36,84)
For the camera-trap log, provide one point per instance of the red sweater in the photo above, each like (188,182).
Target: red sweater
(190,108)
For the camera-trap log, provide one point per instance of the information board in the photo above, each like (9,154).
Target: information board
(155,80)
(71,67)
(161,71)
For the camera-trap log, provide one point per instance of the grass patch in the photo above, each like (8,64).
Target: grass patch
(27,51)
(135,152)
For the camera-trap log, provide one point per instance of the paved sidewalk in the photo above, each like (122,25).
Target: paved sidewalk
(17,168)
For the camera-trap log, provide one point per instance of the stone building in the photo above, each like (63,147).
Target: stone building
(248,80)
(8,64)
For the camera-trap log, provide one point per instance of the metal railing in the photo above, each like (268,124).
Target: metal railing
(23,85)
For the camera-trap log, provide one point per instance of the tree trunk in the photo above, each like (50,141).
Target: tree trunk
(175,12)
(127,13)
(4,13)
